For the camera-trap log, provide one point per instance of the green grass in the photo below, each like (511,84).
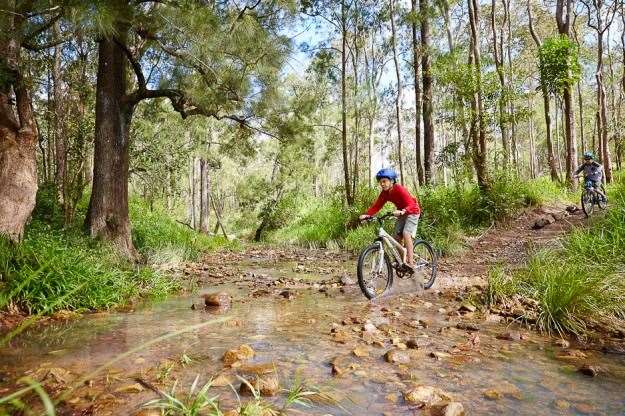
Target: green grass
(580,286)
(449,213)
(58,268)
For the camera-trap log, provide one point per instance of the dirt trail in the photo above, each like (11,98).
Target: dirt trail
(507,244)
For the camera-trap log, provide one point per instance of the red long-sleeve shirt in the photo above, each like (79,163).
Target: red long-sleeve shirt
(399,196)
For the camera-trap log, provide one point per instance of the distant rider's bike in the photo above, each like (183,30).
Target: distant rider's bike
(591,197)
(377,262)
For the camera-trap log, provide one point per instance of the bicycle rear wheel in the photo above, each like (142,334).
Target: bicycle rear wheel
(588,202)
(375,273)
(425,263)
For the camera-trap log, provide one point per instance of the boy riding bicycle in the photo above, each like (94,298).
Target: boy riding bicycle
(593,173)
(407,210)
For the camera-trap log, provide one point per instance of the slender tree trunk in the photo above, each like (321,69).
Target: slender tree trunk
(348,193)
(551,160)
(107,216)
(478,125)
(428,108)
(580,103)
(18,137)
(59,137)
(417,92)
(399,92)
(602,114)
(498,57)
(205,196)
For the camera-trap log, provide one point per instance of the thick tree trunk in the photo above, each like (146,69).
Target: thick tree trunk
(399,93)
(107,216)
(417,92)
(428,108)
(18,139)
(502,104)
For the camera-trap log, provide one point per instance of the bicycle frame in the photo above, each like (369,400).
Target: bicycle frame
(395,248)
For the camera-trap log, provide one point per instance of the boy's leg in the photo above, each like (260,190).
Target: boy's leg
(409,232)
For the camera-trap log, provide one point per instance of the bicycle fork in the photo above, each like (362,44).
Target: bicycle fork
(381,258)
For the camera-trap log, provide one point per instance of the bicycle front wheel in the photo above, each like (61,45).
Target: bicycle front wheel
(425,263)
(588,202)
(375,274)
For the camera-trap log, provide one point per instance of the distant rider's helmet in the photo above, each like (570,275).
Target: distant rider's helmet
(386,173)
(588,156)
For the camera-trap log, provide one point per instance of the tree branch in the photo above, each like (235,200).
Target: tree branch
(134,63)
(37,48)
(42,28)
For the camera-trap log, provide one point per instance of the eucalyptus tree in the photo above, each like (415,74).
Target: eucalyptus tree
(216,60)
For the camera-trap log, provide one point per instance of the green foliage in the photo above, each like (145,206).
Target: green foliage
(580,285)
(61,268)
(559,65)
(162,240)
(448,213)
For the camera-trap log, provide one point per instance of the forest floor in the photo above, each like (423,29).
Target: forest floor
(293,312)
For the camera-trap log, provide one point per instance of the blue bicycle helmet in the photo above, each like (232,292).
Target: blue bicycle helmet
(589,155)
(386,173)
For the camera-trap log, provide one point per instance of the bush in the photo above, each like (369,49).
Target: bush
(580,285)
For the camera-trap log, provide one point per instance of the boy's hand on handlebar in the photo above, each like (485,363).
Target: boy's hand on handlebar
(399,212)
(364,217)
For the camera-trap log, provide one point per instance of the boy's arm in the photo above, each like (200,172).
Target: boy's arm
(377,205)
(579,169)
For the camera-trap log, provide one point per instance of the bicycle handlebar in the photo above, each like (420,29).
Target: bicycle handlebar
(378,218)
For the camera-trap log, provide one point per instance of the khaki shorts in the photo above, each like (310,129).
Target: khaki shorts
(407,224)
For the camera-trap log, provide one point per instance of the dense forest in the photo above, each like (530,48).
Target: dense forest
(218,111)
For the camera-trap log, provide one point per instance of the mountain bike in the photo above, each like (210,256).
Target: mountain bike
(378,262)
(590,198)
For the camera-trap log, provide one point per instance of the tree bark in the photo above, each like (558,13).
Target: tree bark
(563,19)
(478,124)
(551,160)
(205,195)
(59,136)
(107,216)
(399,91)
(498,57)
(348,194)
(18,137)
(428,108)
(417,92)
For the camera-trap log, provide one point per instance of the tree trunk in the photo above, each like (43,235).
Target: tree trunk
(59,137)
(18,137)
(563,18)
(205,195)
(107,216)
(478,126)
(551,160)
(602,113)
(399,92)
(348,193)
(417,92)
(428,108)
(498,57)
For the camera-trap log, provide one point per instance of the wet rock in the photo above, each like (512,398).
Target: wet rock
(562,343)
(503,389)
(439,355)
(222,380)
(287,294)
(562,404)
(130,388)
(369,327)
(468,326)
(447,409)
(148,412)
(560,215)
(467,307)
(340,336)
(589,370)
(584,408)
(346,280)
(570,355)
(510,336)
(221,299)
(360,352)
(397,357)
(267,384)
(231,412)
(413,344)
(258,369)
(244,352)
(342,365)
(425,396)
